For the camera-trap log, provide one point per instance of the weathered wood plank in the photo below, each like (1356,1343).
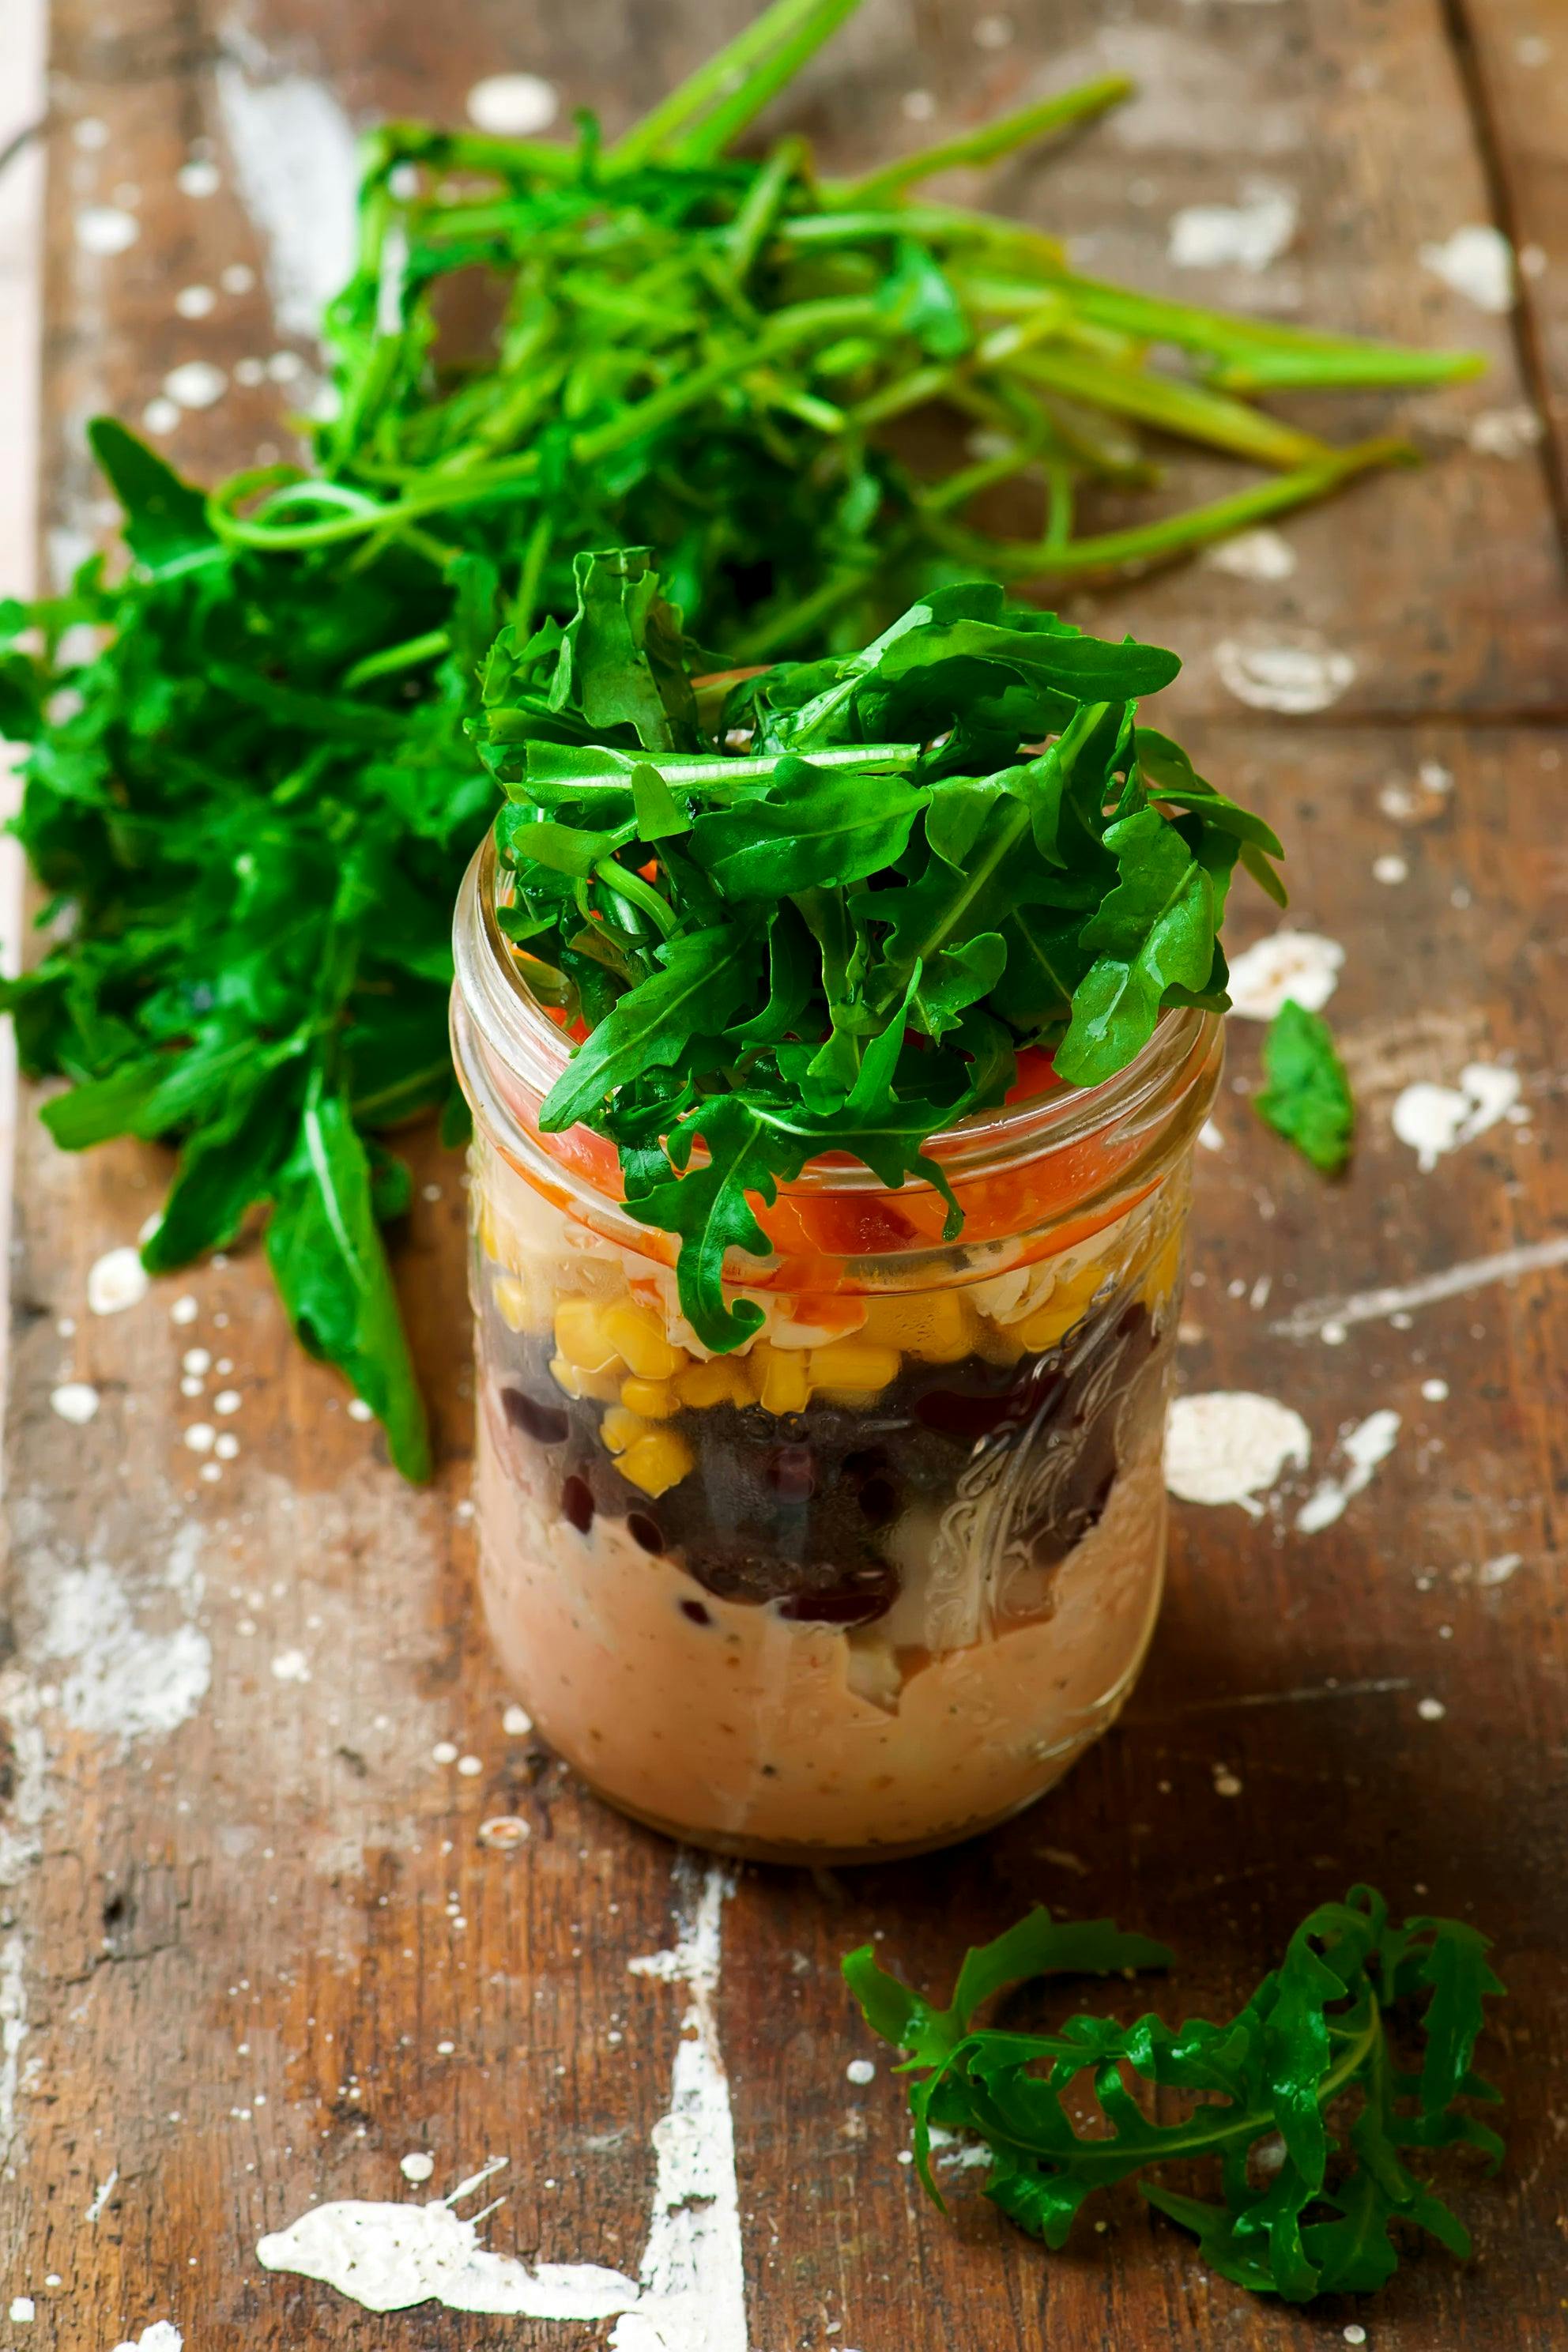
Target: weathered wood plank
(260,1902)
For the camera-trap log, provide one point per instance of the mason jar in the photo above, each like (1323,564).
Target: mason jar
(871,1583)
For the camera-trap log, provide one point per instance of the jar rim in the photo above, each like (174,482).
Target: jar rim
(493,988)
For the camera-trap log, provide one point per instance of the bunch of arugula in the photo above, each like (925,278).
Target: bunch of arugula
(840,937)
(251,799)
(1316,2034)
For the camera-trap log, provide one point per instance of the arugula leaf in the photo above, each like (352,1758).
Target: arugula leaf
(1315,2034)
(703,984)
(1154,932)
(808,828)
(325,1250)
(1308,1097)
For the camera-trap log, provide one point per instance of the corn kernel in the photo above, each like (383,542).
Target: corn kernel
(998,1343)
(1164,1274)
(655,1400)
(858,1364)
(603,1387)
(1064,1307)
(512,1302)
(621,1429)
(783,1378)
(636,1335)
(723,1380)
(937,1326)
(656,1462)
(580,1336)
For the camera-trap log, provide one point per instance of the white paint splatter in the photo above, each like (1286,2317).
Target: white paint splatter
(1430,1710)
(1506,433)
(692,2273)
(1248,236)
(74,1401)
(415,2166)
(1211,1137)
(161,2336)
(514,105)
(1304,965)
(93,2212)
(1370,1442)
(123,1679)
(1296,676)
(517,1723)
(184,1309)
(861,2070)
(1476,261)
(1395,1299)
(195,303)
(294,158)
(388,2257)
(1261,554)
(199,1436)
(195,384)
(106,229)
(1231,1446)
(199,178)
(291,1666)
(1498,1571)
(117,1280)
(1434,1121)
(23,2310)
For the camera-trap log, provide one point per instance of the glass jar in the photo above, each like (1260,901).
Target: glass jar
(872,1583)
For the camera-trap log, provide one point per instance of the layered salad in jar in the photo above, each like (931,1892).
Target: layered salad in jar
(836,1037)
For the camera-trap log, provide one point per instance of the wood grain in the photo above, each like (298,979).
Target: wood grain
(230,1956)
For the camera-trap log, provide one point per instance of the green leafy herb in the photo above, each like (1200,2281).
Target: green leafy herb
(249,791)
(1306,1099)
(1307,2075)
(840,936)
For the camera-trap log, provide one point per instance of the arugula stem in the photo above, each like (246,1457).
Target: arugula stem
(724,73)
(429,647)
(1048,118)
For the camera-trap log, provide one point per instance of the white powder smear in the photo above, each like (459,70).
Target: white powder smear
(294,158)
(161,2336)
(117,1280)
(105,229)
(1248,236)
(1506,433)
(1434,1121)
(389,2257)
(1365,1447)
(1231,1447)
(1476,261)
(514,105)
(74,1401)
(195,384)
(120,1678)
(1297,675)
(692,2271)
(1261,554)
(1498,1571)
(1304,965)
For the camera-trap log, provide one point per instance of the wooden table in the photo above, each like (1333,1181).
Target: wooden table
(252,1952)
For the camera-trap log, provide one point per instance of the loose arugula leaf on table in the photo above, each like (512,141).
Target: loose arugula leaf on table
(1307,1097)
(800,931)
(1313,2046)
(684,337)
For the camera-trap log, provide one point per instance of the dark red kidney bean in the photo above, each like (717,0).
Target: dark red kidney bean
(647,1531)
(968,1418)
(879,1500)
(696,1612)
(577,1504)
(792,1474)
(844,1606)
(547,1425)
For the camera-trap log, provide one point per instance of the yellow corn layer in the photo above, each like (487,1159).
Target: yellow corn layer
(581,1335)
(603,1387)
(637,1336)
(655,1400)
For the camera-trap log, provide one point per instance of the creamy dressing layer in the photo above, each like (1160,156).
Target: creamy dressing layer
(729,1724)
